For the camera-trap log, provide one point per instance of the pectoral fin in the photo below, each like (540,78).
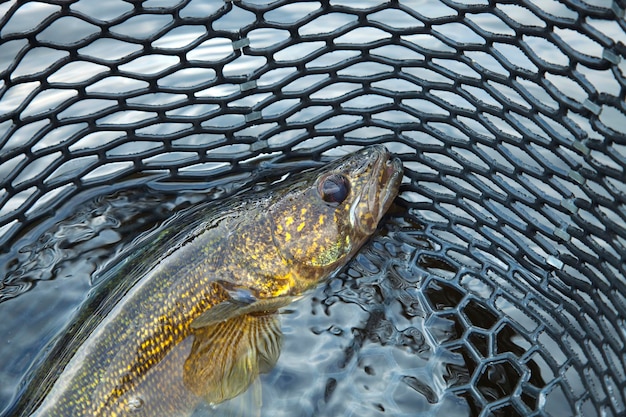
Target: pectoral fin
(228,356)
(217,314)
(237,306)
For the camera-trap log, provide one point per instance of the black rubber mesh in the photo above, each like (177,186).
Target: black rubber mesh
(510,118)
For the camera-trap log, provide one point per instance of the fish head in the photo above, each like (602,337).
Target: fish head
(322,219)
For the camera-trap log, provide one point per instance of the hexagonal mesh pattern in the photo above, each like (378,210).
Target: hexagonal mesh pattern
(497,286)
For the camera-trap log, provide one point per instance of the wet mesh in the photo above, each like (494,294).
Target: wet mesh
(504,258)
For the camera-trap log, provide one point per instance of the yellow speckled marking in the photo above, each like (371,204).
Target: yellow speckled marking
(300,227)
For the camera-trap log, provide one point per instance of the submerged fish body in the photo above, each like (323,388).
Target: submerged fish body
(197,324)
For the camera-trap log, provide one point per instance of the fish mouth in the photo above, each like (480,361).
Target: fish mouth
(382,187)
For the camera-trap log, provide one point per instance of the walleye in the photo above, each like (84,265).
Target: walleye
(198,324)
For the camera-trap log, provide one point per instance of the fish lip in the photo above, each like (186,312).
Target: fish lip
(382,186)
(391,178)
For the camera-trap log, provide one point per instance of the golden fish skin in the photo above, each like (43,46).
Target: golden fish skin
(255,252)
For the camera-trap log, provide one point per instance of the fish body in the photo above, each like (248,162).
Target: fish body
(197,323)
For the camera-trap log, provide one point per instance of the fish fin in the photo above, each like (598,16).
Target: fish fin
(248,404)
(227,357)
(233,307)
(217,314)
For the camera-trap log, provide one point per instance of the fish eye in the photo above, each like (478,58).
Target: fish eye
(334,188)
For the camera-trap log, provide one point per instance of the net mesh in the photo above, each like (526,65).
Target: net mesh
(507,258)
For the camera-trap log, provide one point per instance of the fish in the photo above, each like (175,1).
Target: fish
(200,323)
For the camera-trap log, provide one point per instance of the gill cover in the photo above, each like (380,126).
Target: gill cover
(324,218)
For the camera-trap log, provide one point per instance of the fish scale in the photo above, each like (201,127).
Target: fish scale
(131,361)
